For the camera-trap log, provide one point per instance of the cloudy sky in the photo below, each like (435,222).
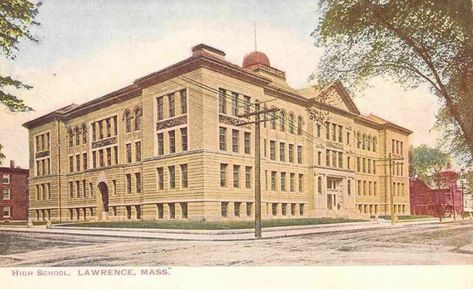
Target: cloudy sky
(89,47)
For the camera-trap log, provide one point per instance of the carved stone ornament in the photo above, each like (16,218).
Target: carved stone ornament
(42,154)
(104,142)
(171,122)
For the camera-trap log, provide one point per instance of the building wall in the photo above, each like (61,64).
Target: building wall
(17,189)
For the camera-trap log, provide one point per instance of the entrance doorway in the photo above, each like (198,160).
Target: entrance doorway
(103,188)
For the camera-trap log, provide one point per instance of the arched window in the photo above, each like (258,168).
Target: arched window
(138,114)
(291,123)
(77,134)
(368,144)
(127,121)
(71,137)
(319,185)
(299,125)
(84,133)
(364,142)
(282,121)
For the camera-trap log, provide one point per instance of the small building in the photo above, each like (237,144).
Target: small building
(438,199)
(467,196)
(14,193)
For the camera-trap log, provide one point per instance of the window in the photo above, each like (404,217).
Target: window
(77,189)
(291,182)
(71,137)
(138,151)
(77,134)
(319,128)
(273,181)
(340,160)
(172,105)
(291,153)
(319,158)
(138,182)
(374,144)
(273,119)
(340,132)
(223,175)
(319,185)
(235,140)
(282,121)
(128,183)
(249,209)
(334,132)
(283,181)
(301,182)
(78,163)
(172,177)
(172,141)
(348,137)
(247,102)
(222,101)
(184,180)
(184,139)
(364,165)
(349,163)
(299,154)
(172,211)
(224,209)
(84,135)
(359,188)
(236,176)
(282,151)
(6,212)
(183,94)
(234,103)
(160,143)
(84,161)
(327,158)
(160,178)
(127,121)
(94,159)
(272,150)
(236,209)
(299,125)
(291,123)
(71,164)
(284,209)
(6,194)
(274,209)
(222,136)
(248,177)
(160,107)
(301,209)
(247,137)
(115,154)
(109,156)
(128,153)
(375,188)
(138,114)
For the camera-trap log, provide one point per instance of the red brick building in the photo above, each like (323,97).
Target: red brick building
(13,193)
(440,199)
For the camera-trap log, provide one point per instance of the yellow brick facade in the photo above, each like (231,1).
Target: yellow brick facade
(168,147)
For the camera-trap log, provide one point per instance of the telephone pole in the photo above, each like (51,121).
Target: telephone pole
(393,213)
(257,113)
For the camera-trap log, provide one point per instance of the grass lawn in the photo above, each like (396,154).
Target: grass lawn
(196,225)
(407,218)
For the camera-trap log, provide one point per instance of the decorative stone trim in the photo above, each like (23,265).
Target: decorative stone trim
(104,142)
(231,121)
(334,145)
(171,122)
(42,154)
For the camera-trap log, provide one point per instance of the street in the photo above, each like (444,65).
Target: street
(448,243)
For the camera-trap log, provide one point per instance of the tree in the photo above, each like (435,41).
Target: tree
(411,42)
(16,17)
(426,161)
(2,156)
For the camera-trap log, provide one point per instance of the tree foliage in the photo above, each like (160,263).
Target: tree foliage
(16,18)
(2,156)
(425,161)
(410,42)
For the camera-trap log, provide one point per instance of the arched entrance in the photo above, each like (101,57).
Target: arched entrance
(103,206)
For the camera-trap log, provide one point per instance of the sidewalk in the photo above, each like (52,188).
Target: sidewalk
(220,235)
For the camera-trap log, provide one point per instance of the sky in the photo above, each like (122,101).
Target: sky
(88,48)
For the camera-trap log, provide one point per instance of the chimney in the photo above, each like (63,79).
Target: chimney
(201,49)
(12,164)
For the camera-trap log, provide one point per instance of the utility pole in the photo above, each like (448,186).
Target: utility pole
(257,113)
(453,203)
(393,217)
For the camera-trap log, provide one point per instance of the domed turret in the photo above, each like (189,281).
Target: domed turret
(254,58)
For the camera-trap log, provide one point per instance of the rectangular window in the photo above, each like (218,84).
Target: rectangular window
(101,158)
(349,163)
(236,209)
(299,154)
(247,101)
(128,183)
(184,180)
(222,137)
(128,153)
(291,153)
(334,132)
(247,136)
(340,132)
(236,176)
(6,194)
(77,189)
(319,128)
(109,127)
(160,144)
(172,141)
(369,166)
(84,161)
(94,159)
(184,139)
(183,94)
(273,181)
(234,103)
(249,209)
(364,165)
(235,140)
(283,181)
(348,137)
(6,212)
(160,178)
(100,130)
(272,150)
(71,164)
(224,209)
(222,101)
(319,158)
(282,151)
(115,154)
(138,182)
(327,158)
(291,182)
(172,177)
(340,160)
(138,151)
(248,177)
(160,107)
(77,163)
(114,186)
(301,182)
(109,156)
(223,175)
(172,105)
